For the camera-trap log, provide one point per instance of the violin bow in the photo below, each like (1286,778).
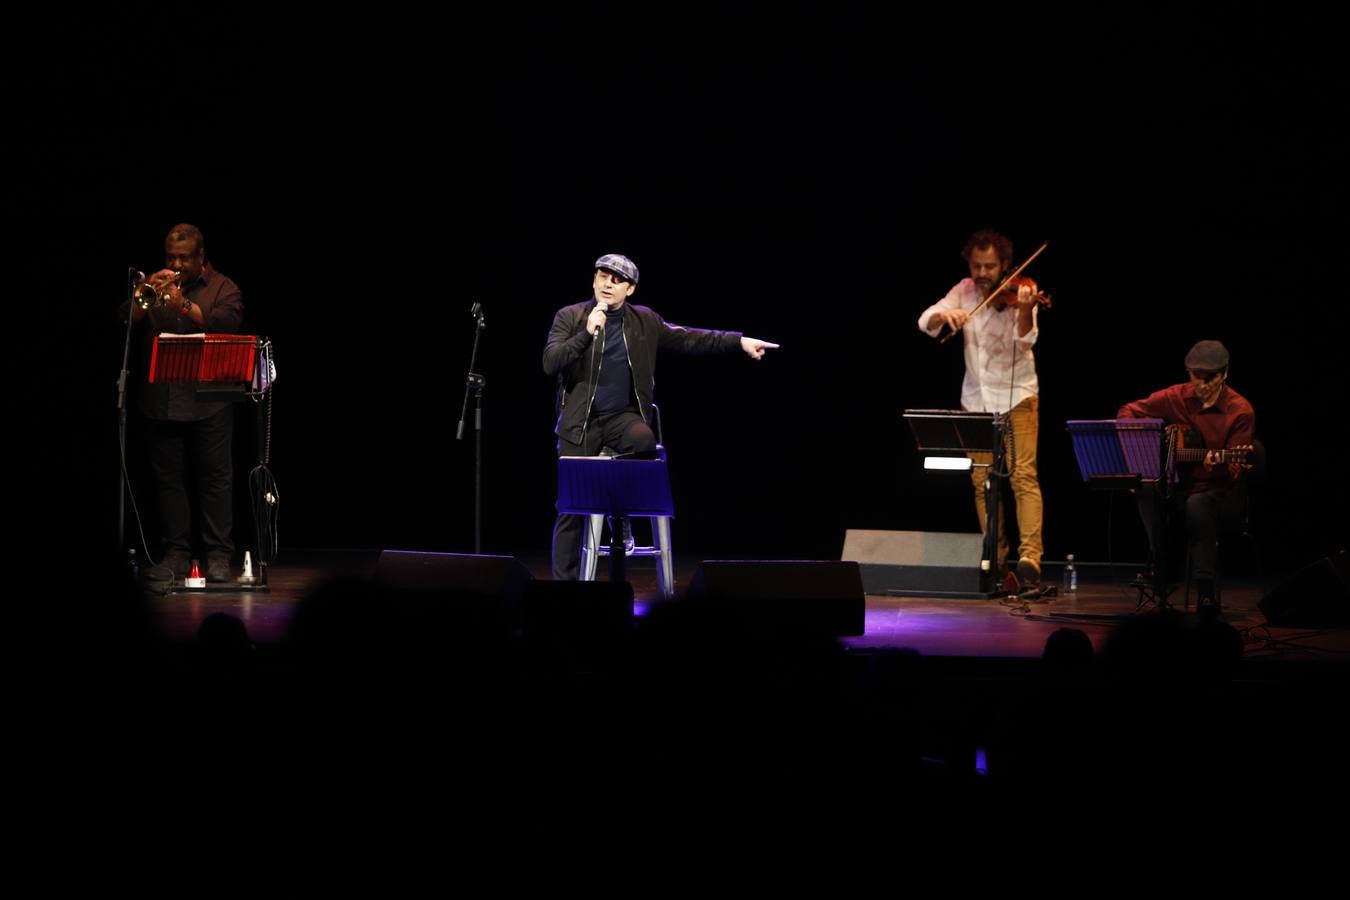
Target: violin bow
(996,291)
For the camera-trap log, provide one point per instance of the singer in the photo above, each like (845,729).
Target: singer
(189,441)
(1000,378)
(603,353)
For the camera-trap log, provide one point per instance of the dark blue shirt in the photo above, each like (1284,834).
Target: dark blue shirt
(614,387)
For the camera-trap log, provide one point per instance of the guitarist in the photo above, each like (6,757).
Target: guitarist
(1213,416)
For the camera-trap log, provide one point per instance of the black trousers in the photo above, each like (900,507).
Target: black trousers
(192,464)
(1204,516)
(623,432)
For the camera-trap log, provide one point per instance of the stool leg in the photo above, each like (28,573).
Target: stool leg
(1187,607)
(665,572)
(1218,551)
(590,544)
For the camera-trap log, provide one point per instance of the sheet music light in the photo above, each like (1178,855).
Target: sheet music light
(948,463)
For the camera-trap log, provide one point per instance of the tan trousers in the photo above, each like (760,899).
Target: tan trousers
(1020,453)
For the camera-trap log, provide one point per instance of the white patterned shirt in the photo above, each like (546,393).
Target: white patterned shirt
(1000,367)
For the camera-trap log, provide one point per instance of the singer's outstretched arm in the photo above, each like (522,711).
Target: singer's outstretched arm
(755,347)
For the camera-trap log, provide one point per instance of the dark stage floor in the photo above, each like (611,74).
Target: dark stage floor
(995,628)
(936,692)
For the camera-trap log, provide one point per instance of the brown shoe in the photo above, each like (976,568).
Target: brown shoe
(1028,572)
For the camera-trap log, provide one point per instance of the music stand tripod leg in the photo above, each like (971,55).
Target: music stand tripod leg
(992,517)
(617,556)
(1160,554)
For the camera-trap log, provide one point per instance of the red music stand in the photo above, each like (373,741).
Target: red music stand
(218,361)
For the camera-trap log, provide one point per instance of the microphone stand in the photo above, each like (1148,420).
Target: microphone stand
(474,384)
(132,279)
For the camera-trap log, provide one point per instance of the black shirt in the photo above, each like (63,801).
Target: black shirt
(223,309)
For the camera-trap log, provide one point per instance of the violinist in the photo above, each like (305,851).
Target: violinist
(1000,377)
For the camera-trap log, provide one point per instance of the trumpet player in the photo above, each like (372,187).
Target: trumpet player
(188,439)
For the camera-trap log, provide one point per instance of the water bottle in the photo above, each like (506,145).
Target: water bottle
(132,564)
(1070,576)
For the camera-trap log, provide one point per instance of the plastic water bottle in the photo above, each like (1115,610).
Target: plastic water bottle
(132,563)
(1070,576)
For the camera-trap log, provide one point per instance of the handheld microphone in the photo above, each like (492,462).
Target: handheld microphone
(600,304)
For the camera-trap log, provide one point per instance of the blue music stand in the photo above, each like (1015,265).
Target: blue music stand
(1123,454)
(599,486)
(1118,453)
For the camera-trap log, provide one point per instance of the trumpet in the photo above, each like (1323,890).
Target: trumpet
(153,294)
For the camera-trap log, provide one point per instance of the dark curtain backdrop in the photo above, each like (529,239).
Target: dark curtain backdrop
(805,175)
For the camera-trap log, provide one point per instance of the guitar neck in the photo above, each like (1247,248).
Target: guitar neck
(1197,454)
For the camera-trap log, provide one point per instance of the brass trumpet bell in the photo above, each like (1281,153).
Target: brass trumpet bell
(151,294)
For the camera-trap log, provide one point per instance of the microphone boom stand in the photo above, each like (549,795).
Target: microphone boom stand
(474,384)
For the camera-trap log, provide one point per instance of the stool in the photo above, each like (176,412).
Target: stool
(636,487)
(661,549)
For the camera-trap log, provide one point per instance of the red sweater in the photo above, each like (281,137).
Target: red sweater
(1231,422)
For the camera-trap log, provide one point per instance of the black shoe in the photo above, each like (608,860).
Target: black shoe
(173,566)
(157,575)
(217,568)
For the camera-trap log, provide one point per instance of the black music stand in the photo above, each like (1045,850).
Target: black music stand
(955,433)
(222,367)
(1127,454)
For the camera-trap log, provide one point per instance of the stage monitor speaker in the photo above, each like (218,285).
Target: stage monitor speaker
(809,595)
(579,609)
(487,576)
(1315,596)
(917,563)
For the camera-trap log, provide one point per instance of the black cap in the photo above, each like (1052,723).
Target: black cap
(1207,356)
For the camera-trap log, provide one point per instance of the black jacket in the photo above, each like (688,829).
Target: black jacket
(568,356)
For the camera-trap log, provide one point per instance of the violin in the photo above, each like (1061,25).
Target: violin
(1006,293)
(1008,296)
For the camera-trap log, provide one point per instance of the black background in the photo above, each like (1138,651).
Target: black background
(805,174)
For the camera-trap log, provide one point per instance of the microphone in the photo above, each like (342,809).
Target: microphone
(600,304)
